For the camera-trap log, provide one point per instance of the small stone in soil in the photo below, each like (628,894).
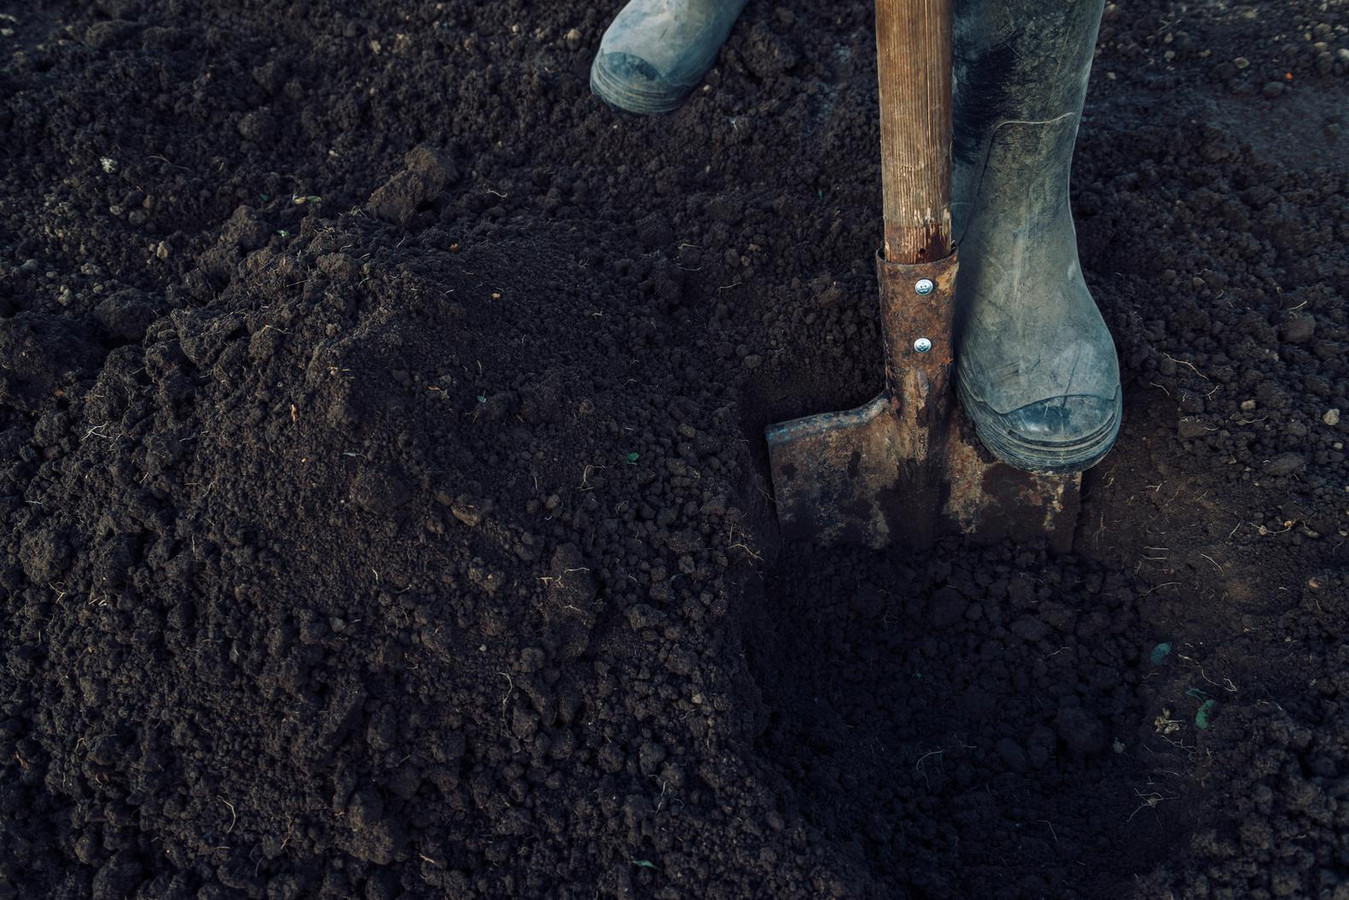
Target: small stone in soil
(1285,464)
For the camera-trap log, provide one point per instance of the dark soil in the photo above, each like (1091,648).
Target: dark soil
(385,501)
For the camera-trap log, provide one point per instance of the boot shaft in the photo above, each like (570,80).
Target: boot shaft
(1037,369)
(1025,61)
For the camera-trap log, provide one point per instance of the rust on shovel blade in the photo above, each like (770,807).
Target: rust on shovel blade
(991,501)
(842,478)
(836,476)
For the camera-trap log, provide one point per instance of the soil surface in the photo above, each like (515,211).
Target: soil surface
(385,500)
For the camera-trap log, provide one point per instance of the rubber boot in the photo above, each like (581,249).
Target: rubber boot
(656,51)
(1037,368)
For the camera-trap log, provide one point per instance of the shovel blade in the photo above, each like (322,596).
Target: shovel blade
(842,478)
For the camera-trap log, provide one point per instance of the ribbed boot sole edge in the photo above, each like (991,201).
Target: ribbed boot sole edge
(621,95)
(1038,457)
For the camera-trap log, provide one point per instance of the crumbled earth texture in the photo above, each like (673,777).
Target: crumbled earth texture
(386,510)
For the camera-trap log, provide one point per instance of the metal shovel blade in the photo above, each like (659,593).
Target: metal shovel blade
(843,478)
(906,468)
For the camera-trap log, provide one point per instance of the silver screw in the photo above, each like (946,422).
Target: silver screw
(924,286)
(922,345)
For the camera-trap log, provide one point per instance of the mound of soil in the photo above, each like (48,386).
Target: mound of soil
(386,502)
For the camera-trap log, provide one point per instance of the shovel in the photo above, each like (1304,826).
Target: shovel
(906,468)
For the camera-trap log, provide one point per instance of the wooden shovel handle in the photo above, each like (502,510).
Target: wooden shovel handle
(913,53)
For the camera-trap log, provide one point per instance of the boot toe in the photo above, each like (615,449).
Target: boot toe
(632,84)
(1056,436)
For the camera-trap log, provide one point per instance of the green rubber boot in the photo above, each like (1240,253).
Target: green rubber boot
(1037,368)
(656,51)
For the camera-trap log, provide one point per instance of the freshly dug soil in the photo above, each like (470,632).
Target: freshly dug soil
(386,508)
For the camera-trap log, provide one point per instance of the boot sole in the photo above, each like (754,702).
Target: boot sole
(621,94)
(1041,457)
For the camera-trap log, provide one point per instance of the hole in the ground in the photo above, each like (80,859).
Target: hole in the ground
(967,715)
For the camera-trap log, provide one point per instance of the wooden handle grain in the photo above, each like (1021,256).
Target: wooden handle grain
(913,53)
